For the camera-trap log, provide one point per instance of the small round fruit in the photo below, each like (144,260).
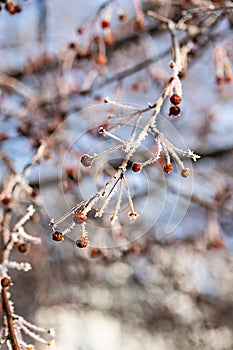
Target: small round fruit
(105,23)
(175,99)
(82,242)
(122,16)
(101,59)
(185,172)
(174,110)
(167,168)
(57,236)
(23,247)
(86,160)
(136,167)
(79,218)
(95,252)
(80,30)
(5,282)
(6,200)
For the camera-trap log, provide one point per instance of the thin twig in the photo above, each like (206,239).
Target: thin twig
(10,322)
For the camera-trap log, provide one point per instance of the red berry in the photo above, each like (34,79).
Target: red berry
(122,16)
(82,242)
(70,173)
(23,247)
(219,80)
(72,46)
(105,23)
(34,193)
(6,200)
(5,282)
(136,167)
(215,244)
(167,168)
(175,99)
(95,252)
(79,218)
(3,136)
(101,59)
(13,9)
(228,78)
(139,25)
(80,30)
(185,172)
(57,236)
(86,160)
(174,110)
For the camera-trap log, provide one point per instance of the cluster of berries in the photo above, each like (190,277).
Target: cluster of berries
(175,109)
(82,242)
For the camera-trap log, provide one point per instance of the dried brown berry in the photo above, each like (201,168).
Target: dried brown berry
(219,80)
(3,136)
(228,78)
(174,110)
(57,236)
(215,244)
(95,252)
(86,160)
(175,99)
(185,172)
(182,74)
(168,168)
(136,167)
(101,59)
(12,9)
(5,282)
(79,218)
(105,23)
(72,46)
(109,39)
(70,173)
(139,25)
(23,247)
(6,200)
(34,193)
(80,30)
(82,242)
(122,16)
